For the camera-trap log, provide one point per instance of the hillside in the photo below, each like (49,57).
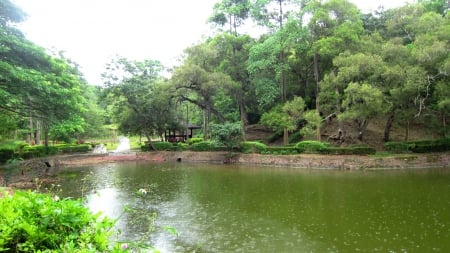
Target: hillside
(373,136)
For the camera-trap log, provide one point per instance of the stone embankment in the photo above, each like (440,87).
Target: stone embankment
(42,170)
(305,161)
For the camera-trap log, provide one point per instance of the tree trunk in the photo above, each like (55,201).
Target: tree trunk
(316,78)
(46,134)
(407,131)
(30,136)
(243,112)
(362,126)
(388,127)
(150,142)
(341,131)
(37,136)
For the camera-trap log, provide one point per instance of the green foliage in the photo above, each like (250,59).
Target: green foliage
(313,120)
(275,119)
(42,150)
(35,222)
(295,137)
(284,150)
(351,150)
(228,134)
(311,147)
(160,145)
(252,147)
(206,146)
(424,146)
(194,140)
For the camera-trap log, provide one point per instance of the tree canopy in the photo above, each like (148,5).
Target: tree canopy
(318,61)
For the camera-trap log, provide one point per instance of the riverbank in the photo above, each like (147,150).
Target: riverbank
(42,170)
(301,161)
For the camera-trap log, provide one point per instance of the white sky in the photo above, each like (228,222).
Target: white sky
(92,32)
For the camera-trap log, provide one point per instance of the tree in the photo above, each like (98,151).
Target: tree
(363,102)
(233,12)
(335,27)
(198,82)
(286,116)
(233,52)
(136,88)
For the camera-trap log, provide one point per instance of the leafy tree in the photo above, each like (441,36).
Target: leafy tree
(335,27)
(233,12)
(34,84)
(363,102)
(228,134)
(198,82)
(233,52)
(286,116)
(136,89)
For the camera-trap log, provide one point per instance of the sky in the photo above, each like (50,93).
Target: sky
(93,32)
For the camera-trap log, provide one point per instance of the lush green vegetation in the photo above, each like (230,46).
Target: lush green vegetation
(35,222)
(338,67)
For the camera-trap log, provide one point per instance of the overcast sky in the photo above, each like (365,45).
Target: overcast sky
(92,32)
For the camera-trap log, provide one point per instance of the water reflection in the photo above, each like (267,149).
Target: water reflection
(235,209)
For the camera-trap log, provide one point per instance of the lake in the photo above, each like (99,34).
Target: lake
(225,208)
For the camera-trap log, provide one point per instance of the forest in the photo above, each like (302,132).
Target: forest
(319,64)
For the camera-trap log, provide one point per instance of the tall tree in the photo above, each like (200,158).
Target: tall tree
(336,27)
(233,12)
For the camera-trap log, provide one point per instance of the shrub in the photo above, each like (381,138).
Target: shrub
(285,150)
(206,146)
(168,146)
(72,148)
(35,222)
(252,147)
(180,146)
(194,140)
(423,146)
(311,147)
(439,145)
(355,150)
(397,147)
(38,151)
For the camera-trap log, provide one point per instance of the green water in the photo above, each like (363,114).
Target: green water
(219,208)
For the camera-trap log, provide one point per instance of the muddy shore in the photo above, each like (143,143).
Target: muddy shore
(44,168)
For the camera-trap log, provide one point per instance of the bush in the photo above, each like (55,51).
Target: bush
(206,146)
(440,145)
(180,146)
(252,147)
(38,151)
(285,150)
(72,148)
(161,145)
(194,140)
(355,150)
(311,147)
(41,150)
(397,147)
(34,222)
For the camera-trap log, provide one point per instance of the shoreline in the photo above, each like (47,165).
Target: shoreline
(301,161)
(28,174)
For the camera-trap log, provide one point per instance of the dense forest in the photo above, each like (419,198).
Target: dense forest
(319,63)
